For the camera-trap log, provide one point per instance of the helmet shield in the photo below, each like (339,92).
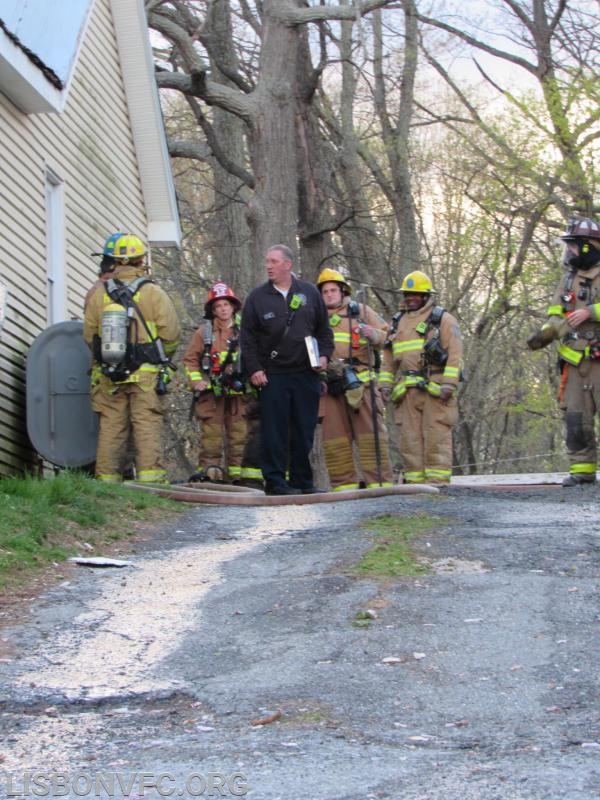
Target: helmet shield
(220,291)
(128,248)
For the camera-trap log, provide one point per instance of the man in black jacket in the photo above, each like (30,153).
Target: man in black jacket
(276,319)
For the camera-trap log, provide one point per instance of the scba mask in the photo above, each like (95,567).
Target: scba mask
(580,254)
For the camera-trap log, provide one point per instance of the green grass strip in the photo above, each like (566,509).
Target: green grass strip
(391,554)
(43,519)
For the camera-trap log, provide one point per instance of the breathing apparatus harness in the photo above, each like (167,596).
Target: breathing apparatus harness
(118,355)
(568,298)
(433,353)
(215,370)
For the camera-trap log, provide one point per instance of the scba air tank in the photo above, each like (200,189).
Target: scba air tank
(114,334)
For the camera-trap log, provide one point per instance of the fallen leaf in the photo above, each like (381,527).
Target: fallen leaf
(266,720)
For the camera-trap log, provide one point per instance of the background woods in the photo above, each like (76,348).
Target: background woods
(380,137)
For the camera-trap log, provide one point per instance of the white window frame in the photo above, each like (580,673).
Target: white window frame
(55,248)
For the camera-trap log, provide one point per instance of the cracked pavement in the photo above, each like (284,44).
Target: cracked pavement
(234,615)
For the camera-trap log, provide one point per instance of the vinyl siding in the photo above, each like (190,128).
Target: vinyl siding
(90,147)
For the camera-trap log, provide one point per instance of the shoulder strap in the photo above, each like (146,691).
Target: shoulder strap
(123,293)
(293,303)
(436,316)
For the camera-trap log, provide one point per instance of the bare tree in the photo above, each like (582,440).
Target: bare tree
(274,108)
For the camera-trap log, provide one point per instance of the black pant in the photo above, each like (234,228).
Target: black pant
(289,406)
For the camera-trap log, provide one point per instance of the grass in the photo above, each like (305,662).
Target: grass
(391,554)
(45,520)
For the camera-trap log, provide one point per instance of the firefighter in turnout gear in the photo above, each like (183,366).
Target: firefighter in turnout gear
(426,354)
(133,330)
(221,400)
(347,409)
(574,320)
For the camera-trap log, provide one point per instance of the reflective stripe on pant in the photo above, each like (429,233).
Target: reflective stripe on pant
(251,457)
(425,431)
(343,425)
(582,403)
(289,406)
(222,432)
(136,408)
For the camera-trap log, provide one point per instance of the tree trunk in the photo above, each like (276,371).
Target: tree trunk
(229,236)
(273,210)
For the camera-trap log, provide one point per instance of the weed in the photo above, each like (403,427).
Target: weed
(44,519)
(391,554)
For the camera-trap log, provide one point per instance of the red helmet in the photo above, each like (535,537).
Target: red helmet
(220,291)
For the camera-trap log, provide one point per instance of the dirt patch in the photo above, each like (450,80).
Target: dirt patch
(457,566)
(25,586)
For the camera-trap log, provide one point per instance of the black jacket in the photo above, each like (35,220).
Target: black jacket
(265,316)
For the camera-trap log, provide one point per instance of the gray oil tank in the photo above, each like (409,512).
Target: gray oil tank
(60,421)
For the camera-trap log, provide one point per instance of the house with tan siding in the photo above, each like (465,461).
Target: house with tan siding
(83,155)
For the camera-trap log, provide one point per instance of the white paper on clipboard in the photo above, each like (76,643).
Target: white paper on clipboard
(312,347)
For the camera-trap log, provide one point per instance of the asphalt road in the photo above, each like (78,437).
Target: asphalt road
(476,680)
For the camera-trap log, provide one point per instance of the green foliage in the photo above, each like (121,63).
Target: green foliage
(44,519)
(391,554)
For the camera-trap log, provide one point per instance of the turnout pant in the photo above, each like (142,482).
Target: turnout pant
(582,403)
(133,409)
(222,433)
(425,431)
(341,427)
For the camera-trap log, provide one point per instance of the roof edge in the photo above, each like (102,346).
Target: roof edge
(28,83)
(147,124)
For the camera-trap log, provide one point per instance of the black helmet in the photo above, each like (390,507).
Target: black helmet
(583,244)
(583,228)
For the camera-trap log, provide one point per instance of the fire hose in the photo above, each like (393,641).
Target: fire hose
(219,494)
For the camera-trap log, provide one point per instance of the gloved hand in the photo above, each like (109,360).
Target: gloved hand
(541,338)
(385,394)
(446,392)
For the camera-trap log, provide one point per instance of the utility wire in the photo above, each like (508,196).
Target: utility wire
(506,460)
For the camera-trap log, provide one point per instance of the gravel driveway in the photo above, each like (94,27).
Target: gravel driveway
(227,661)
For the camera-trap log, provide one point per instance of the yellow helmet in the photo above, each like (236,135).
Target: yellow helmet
(416,282)
(128,247)
(336,277)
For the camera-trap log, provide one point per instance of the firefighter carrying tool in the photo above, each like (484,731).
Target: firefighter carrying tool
(352,409)
(426,353)
(574,320)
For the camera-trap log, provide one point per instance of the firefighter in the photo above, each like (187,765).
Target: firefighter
(426,353)
(574,319)
(352,409)
(132,329)
(221,400)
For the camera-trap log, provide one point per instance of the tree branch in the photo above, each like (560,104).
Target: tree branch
(292,15)
(520,62)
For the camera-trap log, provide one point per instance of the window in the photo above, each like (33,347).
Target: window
(55,248)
